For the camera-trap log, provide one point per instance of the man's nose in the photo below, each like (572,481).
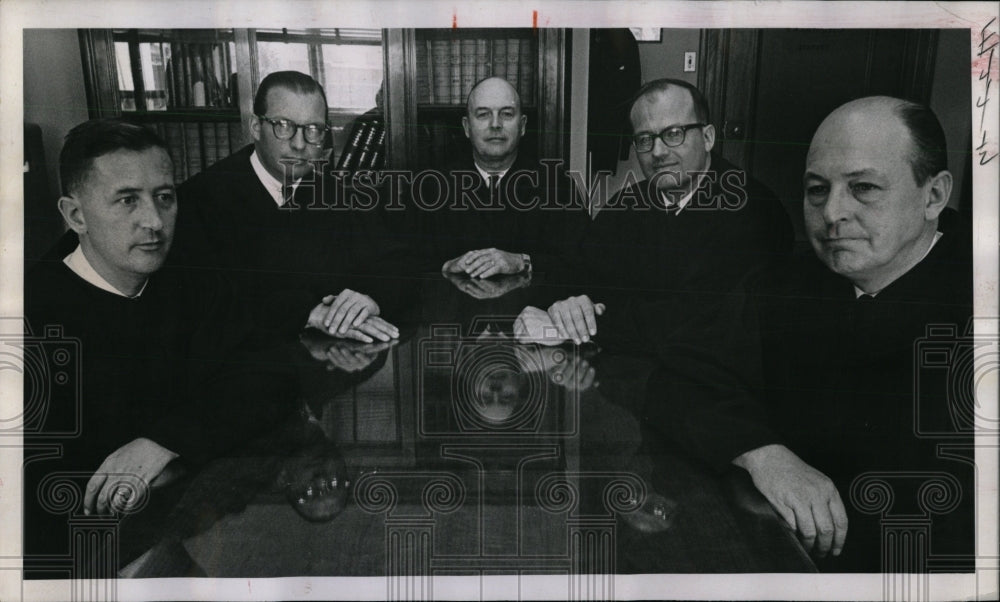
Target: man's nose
(837,205)
(495,121)
(660,148)
(150,215)
(298,140)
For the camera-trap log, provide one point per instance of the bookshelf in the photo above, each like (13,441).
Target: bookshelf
(431,71)
(196,86)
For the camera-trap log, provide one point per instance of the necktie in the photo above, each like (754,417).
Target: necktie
(287,192)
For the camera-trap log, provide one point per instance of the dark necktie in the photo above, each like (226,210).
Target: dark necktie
(287,192)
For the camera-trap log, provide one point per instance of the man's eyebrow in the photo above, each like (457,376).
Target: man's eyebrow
(484,108)
(861,172)
(812,176)
(132,189)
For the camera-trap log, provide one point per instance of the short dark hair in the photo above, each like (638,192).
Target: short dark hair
(296,81)
(96,138)
(661,85)
(929,149)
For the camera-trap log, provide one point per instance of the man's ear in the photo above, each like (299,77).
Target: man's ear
(937,192)
(465,125)
(524,122)
(72,213)
(709,134)
(255,127)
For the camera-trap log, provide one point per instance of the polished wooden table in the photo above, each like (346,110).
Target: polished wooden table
(458,451)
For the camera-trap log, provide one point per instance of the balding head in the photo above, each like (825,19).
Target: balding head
(494,123)
(492,88)
(927,150)
(870,213)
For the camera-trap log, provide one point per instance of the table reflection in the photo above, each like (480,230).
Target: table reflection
(460,450)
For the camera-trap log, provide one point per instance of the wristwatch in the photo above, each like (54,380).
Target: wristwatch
(526,261)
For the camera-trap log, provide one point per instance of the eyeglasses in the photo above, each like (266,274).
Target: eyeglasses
(672,136)
(285,130)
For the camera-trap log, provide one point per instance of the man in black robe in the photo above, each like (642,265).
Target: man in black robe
(864,404)
(153,367)
(665,252)
(258,216)
(503,213)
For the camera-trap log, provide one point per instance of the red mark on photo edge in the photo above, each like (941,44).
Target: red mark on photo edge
(534,19)
(454,20)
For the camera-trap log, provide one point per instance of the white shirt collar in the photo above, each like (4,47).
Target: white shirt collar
(271,183)
(486,175)
(81,266)
(937,236)
(684,202)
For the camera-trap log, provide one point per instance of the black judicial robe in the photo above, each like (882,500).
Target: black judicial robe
(174,365)
(873,386)
(667,277)
(530,213)
(284,259)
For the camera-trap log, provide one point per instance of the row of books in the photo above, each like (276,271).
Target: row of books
(365,146)
(448,69)
(198,75)
(195,146)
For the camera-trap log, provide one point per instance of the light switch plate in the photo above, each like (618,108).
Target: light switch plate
(689,61)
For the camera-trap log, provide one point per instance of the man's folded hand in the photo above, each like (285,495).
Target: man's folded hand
(806,498)
(337,314)
(483,263)
(575,318)
(123,479)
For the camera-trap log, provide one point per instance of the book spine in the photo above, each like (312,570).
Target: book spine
(235,136)
(222,136)
(198,85)
(456,73)
(482,60)
(513,60)
(211,143)
(171,90)
(227,71)
(468,67)
(423,72)
(175,142)
(368,146)
(378,152)
(211,95)
(526,72)
(500,58)
(442,70)
(183,82)
(348,159)
(192,148)
(218,92)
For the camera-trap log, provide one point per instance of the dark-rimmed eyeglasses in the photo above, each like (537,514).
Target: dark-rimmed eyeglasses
(671,136)
(285,129)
